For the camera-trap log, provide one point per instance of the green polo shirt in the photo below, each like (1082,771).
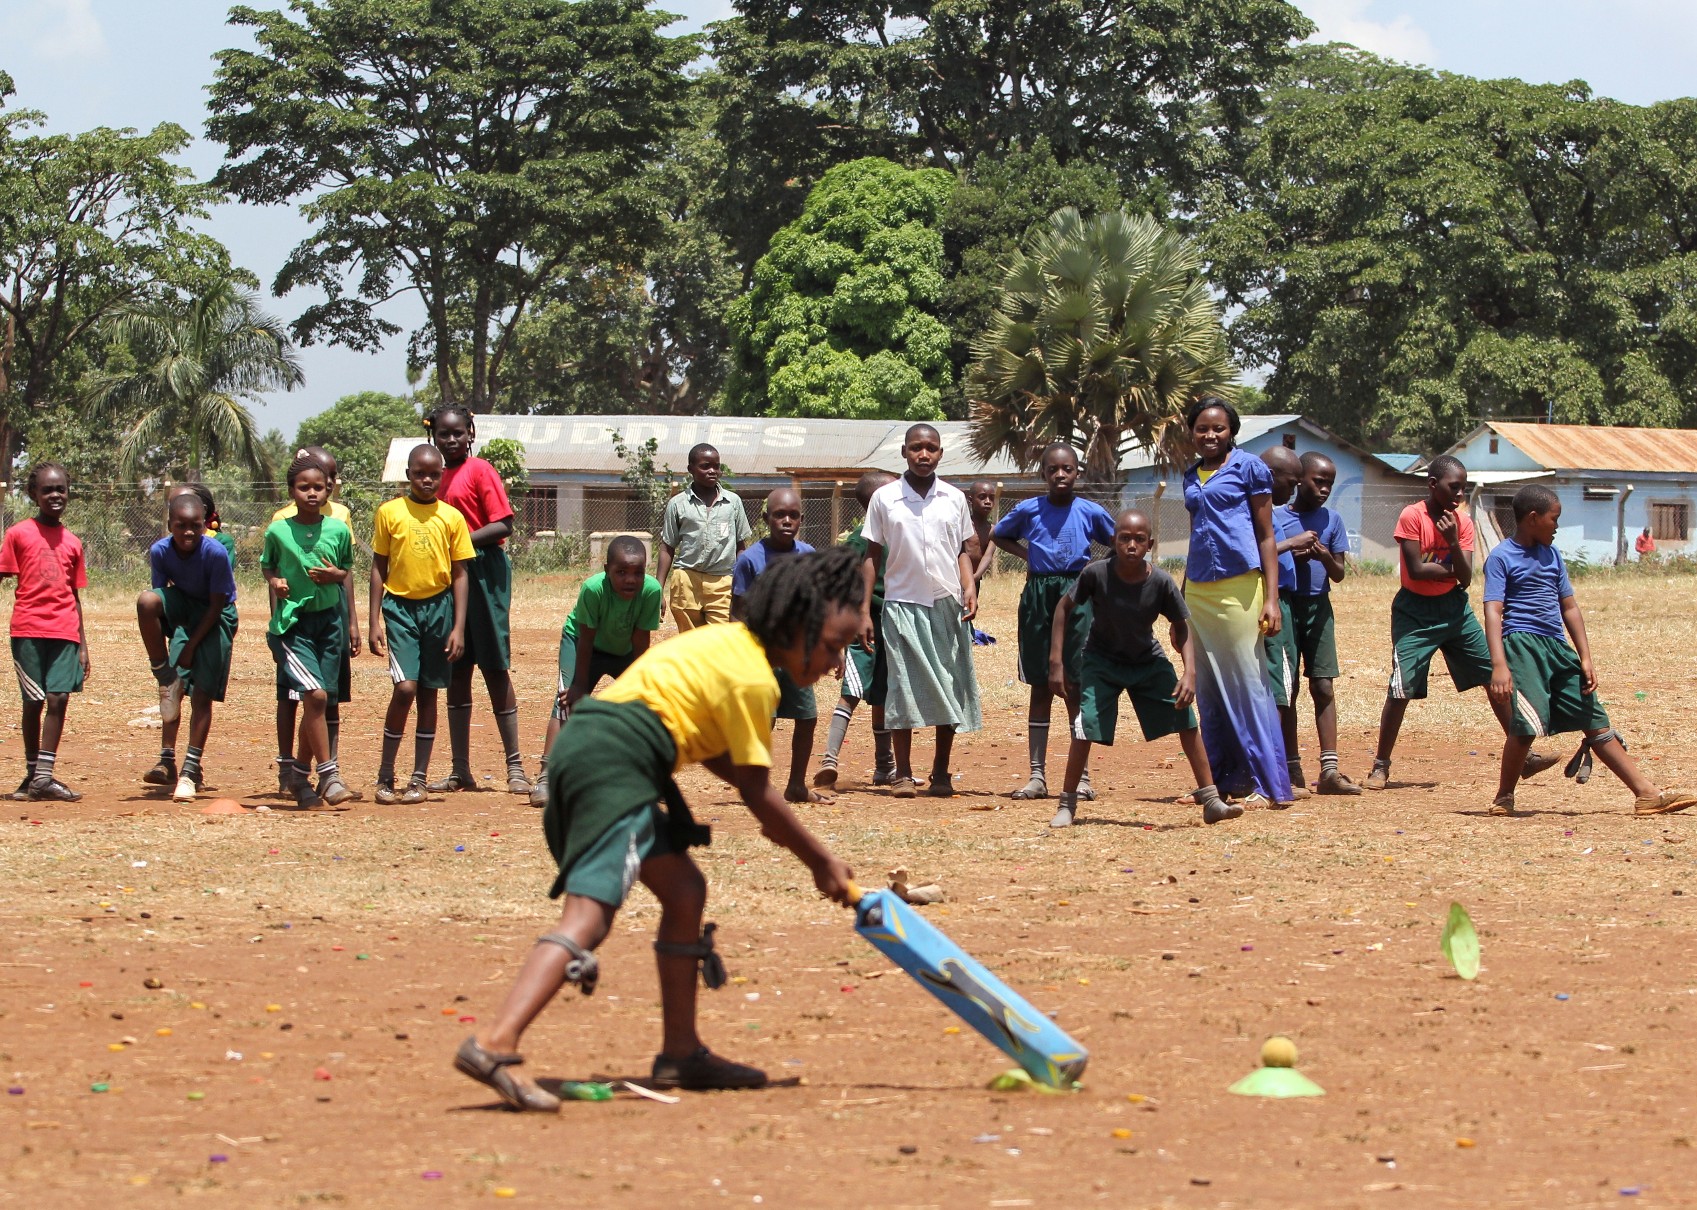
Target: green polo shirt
(704,537)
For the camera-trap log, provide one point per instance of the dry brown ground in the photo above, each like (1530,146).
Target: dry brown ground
(358,943)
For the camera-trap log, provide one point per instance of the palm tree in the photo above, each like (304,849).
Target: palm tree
(1104,333)
(197,362)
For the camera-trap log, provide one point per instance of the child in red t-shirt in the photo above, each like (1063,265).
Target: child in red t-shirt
(49,650)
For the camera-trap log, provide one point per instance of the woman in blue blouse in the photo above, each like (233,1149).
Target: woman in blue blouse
(1232,591)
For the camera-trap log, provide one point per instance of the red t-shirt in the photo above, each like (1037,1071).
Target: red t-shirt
(1415,522)
(475,488)
(48,561)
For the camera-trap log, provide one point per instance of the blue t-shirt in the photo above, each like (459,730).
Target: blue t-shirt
(1057,536)
(1222,528)
(1311,577)
(203,573)
(1285,525)
(751,562)
(1530,581)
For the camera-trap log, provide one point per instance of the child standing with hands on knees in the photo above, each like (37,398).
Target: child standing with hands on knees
(421,551)
(306,560)
(1125,594)
(1052,535)
(1544,685)
(49,649)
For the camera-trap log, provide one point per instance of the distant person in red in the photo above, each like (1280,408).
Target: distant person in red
(1646,544)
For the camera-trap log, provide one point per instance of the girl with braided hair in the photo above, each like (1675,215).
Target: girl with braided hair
(615,814)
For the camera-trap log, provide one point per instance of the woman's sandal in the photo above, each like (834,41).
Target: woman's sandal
(490,1069)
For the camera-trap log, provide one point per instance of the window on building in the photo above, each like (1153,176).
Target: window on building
(1600,491)
(1670,522)
(538,509)
(1493,445)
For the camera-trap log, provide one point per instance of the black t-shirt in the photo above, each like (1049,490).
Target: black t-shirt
(1122,624)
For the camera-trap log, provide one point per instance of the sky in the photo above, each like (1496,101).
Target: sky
(137,63)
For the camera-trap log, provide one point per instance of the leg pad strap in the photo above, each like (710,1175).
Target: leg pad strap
(583,969)
(712,966)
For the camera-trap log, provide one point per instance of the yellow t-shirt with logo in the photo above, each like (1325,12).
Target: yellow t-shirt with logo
(334,509)
(714,690)
(422,543)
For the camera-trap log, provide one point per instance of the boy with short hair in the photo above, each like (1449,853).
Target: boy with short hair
(1544,685)
(1322,544)
(981,546)
(616,614)
(1052,535)
(1430,612)
(862,675)
(187,621)
(703,531)
(795,702)
(421,548)
(930,599)
(1125,593)
(1281,647)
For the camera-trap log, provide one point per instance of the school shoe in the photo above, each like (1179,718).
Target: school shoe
(1536,763)
(884,775)
(1086,792)
(940,786)
(386,794)
(452,783)
(48,789)
(518,782)
(187,788)
(1299,784)
(539,793)
(704,1071)
(825,776)
(1335,783)
(903,787)
(335,791)
(290,781)
(1502,804)
(1380,777)
(1665,803)
(171,700)
(162,774)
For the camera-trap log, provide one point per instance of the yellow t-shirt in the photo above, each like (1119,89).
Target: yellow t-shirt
(334,509)
(422,543)
(713,688)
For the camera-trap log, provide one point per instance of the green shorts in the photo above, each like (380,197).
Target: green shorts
(1149,685)
(793,700)
(47,666)
(857,672)
(1422,626)
(608,773)
(209,671)
(878,684)
(1037,601)
(1548,693)
(1281,655)
(344,682)
(309,653)
(601,664)
(1313,630)
(418,633)
(489,607)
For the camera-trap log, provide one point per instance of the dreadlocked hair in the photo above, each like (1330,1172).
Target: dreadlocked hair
(792,597)
(211,506)
(35,471)
(442,411)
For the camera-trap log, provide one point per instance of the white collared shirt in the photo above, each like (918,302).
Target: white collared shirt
(922,537)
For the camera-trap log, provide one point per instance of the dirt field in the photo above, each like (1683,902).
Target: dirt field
(359,947)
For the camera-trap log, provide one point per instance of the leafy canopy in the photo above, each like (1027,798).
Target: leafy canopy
(841,320)
(358,428)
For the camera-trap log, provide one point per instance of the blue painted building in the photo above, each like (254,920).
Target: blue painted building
(1613,483)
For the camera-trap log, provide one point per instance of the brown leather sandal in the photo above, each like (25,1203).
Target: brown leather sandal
(490,1070)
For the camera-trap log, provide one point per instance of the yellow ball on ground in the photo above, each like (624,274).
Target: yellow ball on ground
(1278,1051)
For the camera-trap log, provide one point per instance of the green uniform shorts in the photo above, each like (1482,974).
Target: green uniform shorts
(1281,655)
(794,701)
(309,653)
(418,635)
(1037,602)
(1150,686)
(209,671)
(608,774)
(601,664)
(1314,632)
(1548,688)
(47,666)
(1422,626)
(489,607)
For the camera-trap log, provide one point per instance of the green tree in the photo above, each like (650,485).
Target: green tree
(89,223)
(358,429)
(507,457)
(196,364)
(465,150)
(1104,333)
(842,320)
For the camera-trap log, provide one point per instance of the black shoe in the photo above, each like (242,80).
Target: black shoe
(704,1071)
(452,783)
(162,774)
(48,789)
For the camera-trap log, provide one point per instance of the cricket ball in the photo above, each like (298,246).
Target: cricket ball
(1278,1051)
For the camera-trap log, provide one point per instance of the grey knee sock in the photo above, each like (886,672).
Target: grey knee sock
(507,723)
(386,763)
(459,737)
(840,719)
(423,743)
(885,754)
(1037,741)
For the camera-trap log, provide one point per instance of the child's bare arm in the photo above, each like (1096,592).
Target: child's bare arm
(779,825)
(1057,646)
(462,591)
(1574,620)
(82,635)
(1501,687)
(374,619)
(579,688)
(1185,640)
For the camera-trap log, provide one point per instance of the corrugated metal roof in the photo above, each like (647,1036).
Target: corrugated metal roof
(1402,463)
(1565,447)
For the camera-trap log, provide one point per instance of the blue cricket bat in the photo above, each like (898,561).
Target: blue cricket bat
(979,998)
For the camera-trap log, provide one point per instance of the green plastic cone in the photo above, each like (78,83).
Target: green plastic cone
(1460,943)
(1276,1082)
